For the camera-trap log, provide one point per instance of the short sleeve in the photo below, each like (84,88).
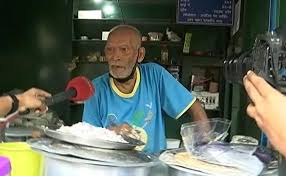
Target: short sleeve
(175,98)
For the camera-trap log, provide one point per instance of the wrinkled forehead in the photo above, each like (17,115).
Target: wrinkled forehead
(123,37)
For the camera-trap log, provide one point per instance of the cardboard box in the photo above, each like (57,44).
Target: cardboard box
(89,14)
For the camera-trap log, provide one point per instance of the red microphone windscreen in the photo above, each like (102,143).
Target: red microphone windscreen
(83,86)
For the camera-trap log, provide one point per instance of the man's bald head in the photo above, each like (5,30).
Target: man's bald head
(130,30)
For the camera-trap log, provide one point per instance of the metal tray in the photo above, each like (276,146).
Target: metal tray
(98,143)
(119,158)
(175,168)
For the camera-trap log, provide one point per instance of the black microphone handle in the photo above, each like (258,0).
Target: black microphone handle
(62,96)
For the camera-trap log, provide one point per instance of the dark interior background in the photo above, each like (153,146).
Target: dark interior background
(38,38)
(35,43)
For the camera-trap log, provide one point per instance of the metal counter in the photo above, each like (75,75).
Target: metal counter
(164,170)
(62,158)
(53,169)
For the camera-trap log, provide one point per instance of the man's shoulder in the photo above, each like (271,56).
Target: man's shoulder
(101,80)
(151,66)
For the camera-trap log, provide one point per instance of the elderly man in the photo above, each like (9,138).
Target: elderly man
(137,94)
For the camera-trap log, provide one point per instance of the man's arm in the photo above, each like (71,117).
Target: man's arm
(197,112)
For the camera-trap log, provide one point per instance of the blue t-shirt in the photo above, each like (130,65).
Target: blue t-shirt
(155,90)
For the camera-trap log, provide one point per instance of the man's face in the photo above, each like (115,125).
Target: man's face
(121,53)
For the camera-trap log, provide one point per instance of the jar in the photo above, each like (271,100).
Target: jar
(164,55)
(5,166)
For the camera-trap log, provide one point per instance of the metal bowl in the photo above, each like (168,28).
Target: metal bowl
(197,133)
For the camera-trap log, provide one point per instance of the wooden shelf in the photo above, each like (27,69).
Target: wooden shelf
(130,2)
(89,41)
(157,2)
(98,20)
(164,65)
(169,43)
(138,21)
(145,43)
(97,62)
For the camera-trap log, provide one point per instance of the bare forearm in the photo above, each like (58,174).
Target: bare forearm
(5,105)
(197,112)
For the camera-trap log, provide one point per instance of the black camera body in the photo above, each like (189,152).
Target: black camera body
(267,58)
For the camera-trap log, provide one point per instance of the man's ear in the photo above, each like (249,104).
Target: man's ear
(141,54)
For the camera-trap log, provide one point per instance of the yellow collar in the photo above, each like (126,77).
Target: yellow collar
(129,95)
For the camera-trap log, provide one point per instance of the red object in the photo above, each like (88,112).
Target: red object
(83,87)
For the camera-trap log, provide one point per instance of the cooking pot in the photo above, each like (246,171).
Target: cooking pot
(55,165)
(62,158)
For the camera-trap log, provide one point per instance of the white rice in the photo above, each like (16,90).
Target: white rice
(83,129)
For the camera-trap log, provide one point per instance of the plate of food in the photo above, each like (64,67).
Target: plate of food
(85,134)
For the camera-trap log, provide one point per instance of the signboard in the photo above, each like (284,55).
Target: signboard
(205,12)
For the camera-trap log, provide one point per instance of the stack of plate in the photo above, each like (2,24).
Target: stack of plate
(62,158)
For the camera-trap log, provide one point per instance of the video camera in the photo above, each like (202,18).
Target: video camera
(267,58)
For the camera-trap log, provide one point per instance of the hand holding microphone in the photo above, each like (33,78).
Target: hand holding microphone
(30,99)
(33,99)
(78,89)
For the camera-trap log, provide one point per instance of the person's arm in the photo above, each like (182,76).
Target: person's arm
(5,105)
(31,99)
(197,112)
(267,107)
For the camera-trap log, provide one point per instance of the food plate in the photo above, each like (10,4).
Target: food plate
(98,143)
(242,164)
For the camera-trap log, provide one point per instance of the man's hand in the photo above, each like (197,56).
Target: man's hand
(33,99)
(121,129)
(125,129)
(268,108)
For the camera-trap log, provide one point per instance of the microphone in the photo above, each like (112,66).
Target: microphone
(78,89)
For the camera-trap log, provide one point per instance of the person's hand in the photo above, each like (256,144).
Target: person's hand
(125,129)
(33,99)
(121,128)
(268,108)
